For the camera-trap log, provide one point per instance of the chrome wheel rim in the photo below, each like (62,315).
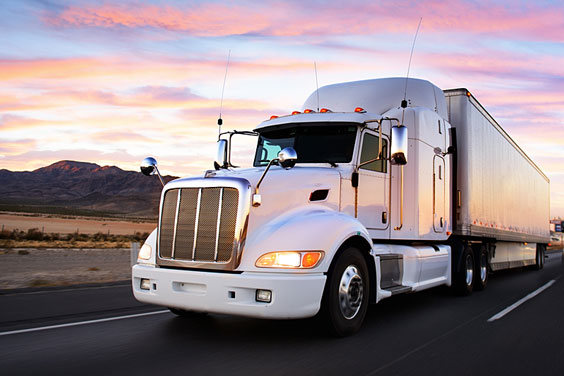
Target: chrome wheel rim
(351,291)
(483,267)
(469,270)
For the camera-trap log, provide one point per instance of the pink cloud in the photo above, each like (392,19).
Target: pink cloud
(277,18)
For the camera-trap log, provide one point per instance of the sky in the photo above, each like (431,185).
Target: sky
(111,82)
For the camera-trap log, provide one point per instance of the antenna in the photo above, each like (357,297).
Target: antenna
(404,101)
(220,121)
(316,85)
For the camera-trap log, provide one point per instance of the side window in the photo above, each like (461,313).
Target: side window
(370,151)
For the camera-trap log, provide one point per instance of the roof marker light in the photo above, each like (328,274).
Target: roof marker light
(468,94)
(296,112)
(308,111)
(273,117)
(325,110)
(360,109)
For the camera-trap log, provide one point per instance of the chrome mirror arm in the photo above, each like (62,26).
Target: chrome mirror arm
(286,158)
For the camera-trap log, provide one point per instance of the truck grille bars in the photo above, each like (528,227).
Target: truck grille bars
(198,225)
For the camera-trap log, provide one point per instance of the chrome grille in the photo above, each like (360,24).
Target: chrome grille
(198,224)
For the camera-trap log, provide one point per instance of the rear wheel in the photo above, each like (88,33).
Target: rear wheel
(481,268)
(539,260)
(346,293)
(464,276)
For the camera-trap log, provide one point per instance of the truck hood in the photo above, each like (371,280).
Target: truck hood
(284,192)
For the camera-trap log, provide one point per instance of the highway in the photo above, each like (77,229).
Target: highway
(103,330)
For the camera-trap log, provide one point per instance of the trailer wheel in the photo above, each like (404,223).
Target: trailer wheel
(345,298)
(539,260)
(481,268)
(464,277)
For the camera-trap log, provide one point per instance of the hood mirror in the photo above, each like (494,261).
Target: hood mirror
(287,157)
(149,167)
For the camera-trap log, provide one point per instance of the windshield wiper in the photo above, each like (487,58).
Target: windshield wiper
(333,164)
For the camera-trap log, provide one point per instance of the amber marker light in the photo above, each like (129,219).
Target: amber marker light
(273,117)
(310,259)
(323,110)
(308,111)
(359,109)
(290,259)
(296,112)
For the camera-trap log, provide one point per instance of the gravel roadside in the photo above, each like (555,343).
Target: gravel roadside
(35,268)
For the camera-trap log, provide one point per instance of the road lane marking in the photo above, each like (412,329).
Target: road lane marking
(499,315)
(81,323)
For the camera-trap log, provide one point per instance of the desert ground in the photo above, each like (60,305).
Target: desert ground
(62,263)
(67,225)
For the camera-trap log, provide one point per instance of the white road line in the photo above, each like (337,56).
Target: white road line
(499,315)
(81,323)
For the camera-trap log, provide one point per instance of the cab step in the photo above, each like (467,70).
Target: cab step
(399,289)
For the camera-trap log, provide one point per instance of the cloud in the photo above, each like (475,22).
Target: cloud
(276,18)
(14,147)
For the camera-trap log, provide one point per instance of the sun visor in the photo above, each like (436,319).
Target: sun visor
(378,96)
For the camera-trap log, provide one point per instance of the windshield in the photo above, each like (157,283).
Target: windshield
(313,142)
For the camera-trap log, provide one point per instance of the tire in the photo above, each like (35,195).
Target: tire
(184,313)
(464,276)
(539,259)
(481,268)
(345,299)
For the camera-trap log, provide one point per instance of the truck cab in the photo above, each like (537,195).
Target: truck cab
(348,202)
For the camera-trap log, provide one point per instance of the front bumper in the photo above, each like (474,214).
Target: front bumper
(293,295)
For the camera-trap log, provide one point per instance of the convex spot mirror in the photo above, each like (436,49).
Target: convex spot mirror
(149,166)
(287,157)
(399,145)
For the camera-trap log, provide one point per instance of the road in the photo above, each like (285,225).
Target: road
(428,333)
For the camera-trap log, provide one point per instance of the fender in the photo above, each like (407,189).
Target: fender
(151,241)
(303,229)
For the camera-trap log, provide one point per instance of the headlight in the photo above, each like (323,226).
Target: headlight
(145,252)
(290,259)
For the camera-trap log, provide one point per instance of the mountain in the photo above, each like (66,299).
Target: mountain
(82,188)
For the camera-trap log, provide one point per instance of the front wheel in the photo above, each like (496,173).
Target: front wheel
(345,300)
(464,276)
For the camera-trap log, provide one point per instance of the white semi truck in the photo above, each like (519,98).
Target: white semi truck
(363,194)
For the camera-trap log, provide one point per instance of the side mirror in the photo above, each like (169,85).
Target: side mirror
(149,167)
(399,145)
(221,155)
(287,157)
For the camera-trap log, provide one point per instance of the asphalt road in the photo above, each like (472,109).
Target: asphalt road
(427,333)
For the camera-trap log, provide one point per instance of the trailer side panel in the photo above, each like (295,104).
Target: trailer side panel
(501,194)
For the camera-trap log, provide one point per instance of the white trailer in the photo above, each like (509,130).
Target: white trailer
(501,194)
(358,197)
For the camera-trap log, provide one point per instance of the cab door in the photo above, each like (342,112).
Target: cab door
(373,183)
(439,194)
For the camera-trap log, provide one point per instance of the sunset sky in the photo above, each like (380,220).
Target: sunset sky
(111,82)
